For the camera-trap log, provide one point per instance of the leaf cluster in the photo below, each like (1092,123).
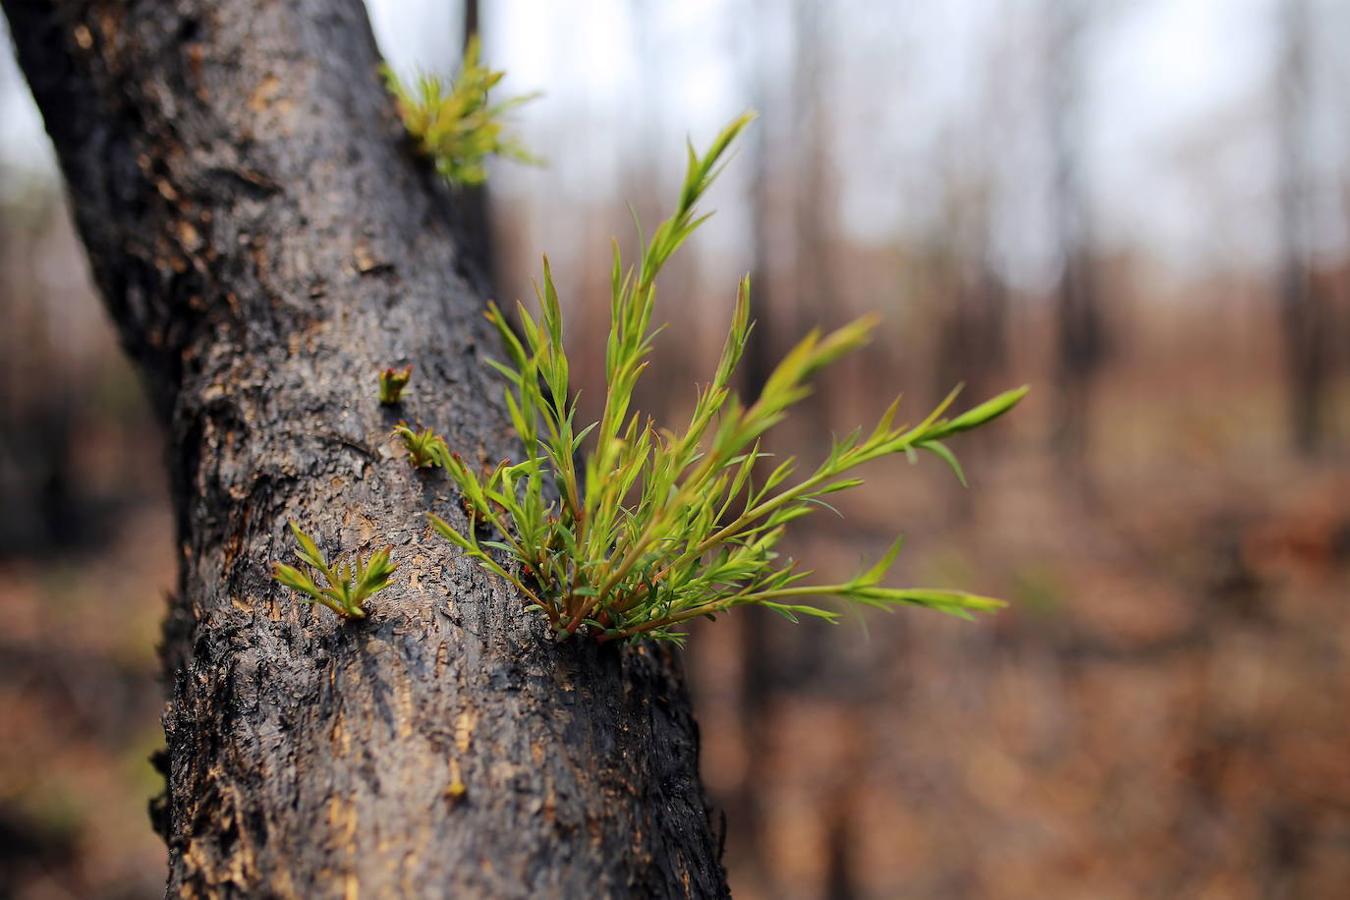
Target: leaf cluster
(425,447)
(655,527)
(348,585)
(392,383)
(453,121)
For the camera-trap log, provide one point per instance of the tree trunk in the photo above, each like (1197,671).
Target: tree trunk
(1306,329)
(473,235)
(265,243)
(1081,338)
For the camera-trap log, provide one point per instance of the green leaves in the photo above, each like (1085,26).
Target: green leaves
(454,123)
(348,585)
(423,446)
(668,526)
(984,413)
(392,383)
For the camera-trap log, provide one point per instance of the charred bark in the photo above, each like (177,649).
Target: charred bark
(473,235)
(1305,326)
(1082,338)
(265,243)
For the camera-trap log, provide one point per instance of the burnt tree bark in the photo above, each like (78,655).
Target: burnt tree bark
(265,242)
(1306,328)
(1082,339)
(474,234)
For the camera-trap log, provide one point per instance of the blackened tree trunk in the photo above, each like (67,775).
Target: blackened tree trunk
(757,657)
(816,195)
(1305,325)
(265,242)
(1081,338)
(474,234)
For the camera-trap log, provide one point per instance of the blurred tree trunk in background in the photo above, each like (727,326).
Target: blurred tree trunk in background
(1081,334)
(756,661)
(973,322)
(264,242)
(41,512)
(972,339)
(471,20)
(758,360)
(475,217)
(972,326)
(814,215)
(1303,313)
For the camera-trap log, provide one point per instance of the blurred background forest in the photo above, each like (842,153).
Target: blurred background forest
(1142,209)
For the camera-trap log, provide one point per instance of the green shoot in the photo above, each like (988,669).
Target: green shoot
(392,383)
(424,447)
(672,526)
(453,122)
(348,585)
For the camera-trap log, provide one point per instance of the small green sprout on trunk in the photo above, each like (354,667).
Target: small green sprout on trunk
(349,585)
(453,122)
(392,383)
(424,447)
(672,526)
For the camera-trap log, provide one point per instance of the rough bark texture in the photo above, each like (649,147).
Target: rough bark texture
(265,243)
